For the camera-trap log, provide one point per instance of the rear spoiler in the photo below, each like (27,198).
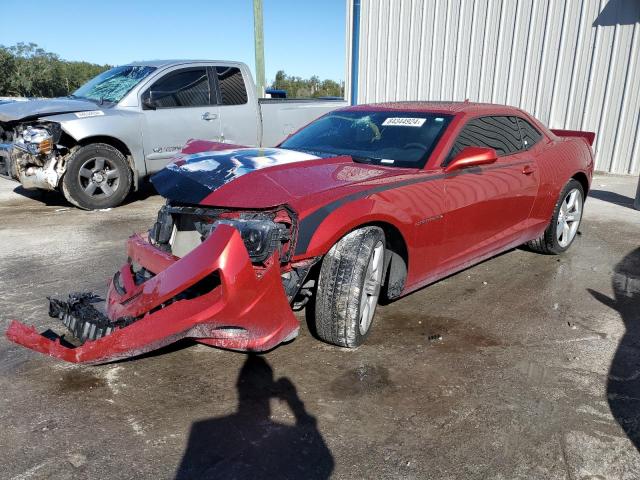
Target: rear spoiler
(588,136)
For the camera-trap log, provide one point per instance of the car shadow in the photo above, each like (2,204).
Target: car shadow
(623,381)
(46,197)
(612,197)
(56,199)
(249,444)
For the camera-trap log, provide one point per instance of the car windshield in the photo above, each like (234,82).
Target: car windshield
(114,84)
(394,138)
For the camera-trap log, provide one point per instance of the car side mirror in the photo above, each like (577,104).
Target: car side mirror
(472,157)
(149,102)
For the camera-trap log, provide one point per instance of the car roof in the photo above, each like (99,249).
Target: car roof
(451,108)
(164,63)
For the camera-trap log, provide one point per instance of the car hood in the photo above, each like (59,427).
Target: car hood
(38,108)
(264,177)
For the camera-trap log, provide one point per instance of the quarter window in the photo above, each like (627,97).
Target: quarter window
(530,136)
(182,88)
(500,133)
(231,83)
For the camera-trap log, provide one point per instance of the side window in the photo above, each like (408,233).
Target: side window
(231,83)
(182,88)
(530,136)
(500,133)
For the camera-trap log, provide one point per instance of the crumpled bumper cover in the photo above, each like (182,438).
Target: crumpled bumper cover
(243,312)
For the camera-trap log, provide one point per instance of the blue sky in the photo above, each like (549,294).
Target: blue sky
(302,37)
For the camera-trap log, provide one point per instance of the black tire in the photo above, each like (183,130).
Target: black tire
(548,243)
(341,285)
(89,164)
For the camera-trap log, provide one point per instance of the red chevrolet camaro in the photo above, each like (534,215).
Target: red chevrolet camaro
(366,202)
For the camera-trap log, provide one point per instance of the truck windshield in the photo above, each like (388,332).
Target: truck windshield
(114,84)
(394,138)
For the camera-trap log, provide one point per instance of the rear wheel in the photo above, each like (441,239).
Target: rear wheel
(349,287)
(564,225)
(97,176)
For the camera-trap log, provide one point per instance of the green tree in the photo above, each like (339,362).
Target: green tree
(29,71)
(297,87)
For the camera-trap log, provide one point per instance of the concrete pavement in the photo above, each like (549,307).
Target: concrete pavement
(536,375)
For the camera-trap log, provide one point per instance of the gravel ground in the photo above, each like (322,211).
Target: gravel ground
(536,374)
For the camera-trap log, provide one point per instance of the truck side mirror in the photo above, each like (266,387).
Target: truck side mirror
(149,102)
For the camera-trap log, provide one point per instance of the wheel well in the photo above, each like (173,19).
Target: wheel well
(396,266)
(114,142)
(397,261)
(582,178)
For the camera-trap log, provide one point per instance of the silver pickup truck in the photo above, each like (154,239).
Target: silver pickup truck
(128,122)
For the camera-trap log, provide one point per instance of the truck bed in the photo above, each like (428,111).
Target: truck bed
(283,116)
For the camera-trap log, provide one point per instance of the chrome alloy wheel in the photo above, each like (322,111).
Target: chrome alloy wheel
(99,177)
(371,288)
(569,217)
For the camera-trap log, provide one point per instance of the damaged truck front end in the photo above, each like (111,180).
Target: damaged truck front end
(221,277)
(31,153)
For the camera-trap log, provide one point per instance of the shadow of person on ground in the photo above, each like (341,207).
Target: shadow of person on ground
(248,444)
(623,384)
(612,197)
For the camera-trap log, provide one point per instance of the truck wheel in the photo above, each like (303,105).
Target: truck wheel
(349,287)
(563,228)
(97,176)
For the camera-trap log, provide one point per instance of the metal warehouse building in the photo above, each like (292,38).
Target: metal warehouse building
(574,64)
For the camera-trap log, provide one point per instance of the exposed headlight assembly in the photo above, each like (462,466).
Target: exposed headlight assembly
(261,237)
(36,141)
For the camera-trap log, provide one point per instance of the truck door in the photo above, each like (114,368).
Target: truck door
(177,107)
(239,115)
(488,207)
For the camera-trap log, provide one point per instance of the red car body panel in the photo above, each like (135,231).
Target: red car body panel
(444,221)
(244,313)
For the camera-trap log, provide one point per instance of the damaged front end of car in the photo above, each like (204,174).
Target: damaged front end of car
(31,154)
(221,277)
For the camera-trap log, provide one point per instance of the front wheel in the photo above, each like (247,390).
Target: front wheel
(349,287)
(97,176)
(564,225)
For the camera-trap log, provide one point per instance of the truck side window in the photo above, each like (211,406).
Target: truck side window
(530,136)
(499,132)
(182,88)
(231,83)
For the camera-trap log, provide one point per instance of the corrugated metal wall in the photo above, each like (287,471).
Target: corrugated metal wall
(573,64)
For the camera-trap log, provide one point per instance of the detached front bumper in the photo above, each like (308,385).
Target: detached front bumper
(236,310)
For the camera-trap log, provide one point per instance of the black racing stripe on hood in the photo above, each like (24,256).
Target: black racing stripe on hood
(179,188)
(310,223)
(191,178)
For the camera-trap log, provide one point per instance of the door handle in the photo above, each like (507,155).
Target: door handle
(209,116)
(528,170)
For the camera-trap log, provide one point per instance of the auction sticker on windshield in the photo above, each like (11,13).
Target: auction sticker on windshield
(403,122)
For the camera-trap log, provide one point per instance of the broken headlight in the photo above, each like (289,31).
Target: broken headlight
(260,236)
(36,141)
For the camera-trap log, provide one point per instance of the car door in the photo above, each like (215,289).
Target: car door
(239,116)
(179,106)
(487,208)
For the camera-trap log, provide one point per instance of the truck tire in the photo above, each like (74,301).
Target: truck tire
(97,176)
(565,222)
(349,287)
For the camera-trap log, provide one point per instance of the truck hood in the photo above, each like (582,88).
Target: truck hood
(263,178)
(38,108)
